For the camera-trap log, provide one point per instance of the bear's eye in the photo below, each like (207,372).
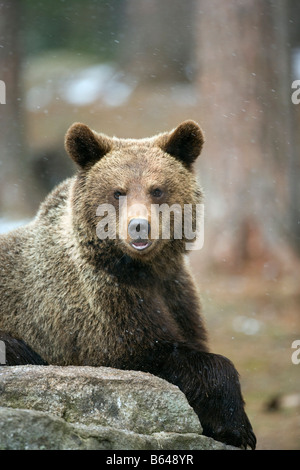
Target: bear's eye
(118,194)
(157,192)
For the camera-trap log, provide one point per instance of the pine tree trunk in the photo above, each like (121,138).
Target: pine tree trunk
(158,40)
(15,188)
(245,90)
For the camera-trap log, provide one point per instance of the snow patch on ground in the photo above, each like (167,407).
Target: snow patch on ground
(6,225)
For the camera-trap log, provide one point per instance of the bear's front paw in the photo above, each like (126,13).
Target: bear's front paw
(236,431)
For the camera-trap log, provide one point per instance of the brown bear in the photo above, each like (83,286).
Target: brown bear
(72,297)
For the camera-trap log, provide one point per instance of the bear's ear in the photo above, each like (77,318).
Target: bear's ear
(84,146)
(184,143)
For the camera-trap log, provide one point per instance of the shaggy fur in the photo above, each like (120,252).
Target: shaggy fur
(69,298)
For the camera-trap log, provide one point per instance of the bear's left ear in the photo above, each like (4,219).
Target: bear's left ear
(85,146)
(184,143)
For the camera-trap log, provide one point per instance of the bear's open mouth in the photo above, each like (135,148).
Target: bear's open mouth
(140,244)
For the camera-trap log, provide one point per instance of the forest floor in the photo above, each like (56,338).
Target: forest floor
(254,323)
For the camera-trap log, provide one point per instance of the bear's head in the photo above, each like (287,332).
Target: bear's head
(136,195)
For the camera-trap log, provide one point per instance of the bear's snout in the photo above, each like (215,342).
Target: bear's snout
(139,230)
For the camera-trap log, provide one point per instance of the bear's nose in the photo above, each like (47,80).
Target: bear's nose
(139,229)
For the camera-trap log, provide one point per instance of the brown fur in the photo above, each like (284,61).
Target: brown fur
(74,299)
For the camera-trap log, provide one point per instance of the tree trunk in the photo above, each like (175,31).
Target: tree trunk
(157,40)
(15,188)
(294,161)
(245,90)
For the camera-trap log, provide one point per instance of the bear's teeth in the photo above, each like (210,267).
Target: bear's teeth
(140,245)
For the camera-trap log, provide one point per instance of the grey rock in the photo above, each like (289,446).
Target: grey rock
(51,407)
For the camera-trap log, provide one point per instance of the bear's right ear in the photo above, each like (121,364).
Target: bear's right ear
(84,146)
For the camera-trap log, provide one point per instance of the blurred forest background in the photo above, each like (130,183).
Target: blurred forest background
(133,68)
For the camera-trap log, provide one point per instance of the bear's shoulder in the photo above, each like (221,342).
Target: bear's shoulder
(56,201)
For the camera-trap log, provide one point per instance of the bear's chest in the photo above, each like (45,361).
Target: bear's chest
(123,325)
